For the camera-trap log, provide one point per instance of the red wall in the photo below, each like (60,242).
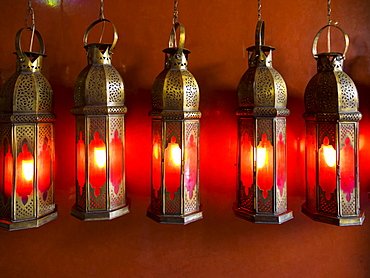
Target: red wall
(217,33)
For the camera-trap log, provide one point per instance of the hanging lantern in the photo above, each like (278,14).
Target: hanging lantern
(332,116)
(27,143)
(99,110)
(175,139)
(262,94)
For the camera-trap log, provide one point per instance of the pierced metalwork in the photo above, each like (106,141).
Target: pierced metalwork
(262,95)
(175,135)
(332,117)
(27,141)
(99,110)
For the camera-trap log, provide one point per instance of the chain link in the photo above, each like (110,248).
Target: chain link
(259,10)
(175,12)
(101,17)
(30,13)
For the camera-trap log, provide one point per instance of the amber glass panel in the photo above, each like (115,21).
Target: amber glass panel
(265,165)
(172,162)
(347,168)
(116,161)
(190,168)
(97,163)
(327,171)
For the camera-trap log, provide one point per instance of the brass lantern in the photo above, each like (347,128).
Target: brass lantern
(175,139)
(332,116)
(27,144)
(99,110)
(262,178)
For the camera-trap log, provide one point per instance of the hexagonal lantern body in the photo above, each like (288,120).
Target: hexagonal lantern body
(175,140)
(27,144)
(262,94)
(332,116)
(100,136)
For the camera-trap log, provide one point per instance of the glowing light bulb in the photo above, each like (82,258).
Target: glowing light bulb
(100,157)
(27,169)
(175,154)
(261,157)
(329,155)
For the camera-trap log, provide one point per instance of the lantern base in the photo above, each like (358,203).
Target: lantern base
(100,215)
(174,219)
(334,220)
(27,224)
(263,218)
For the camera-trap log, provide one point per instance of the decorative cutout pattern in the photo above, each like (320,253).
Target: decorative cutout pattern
(115,85)
(5,207)
(280,88)
(99,203)
(173,207)
(157,90)
(265,205)
(96,86)
(264,90)
(25,94)
(348,208)
(173,90)
(191,90)
(46,206)
(246,88)
(24,211)
(79,91)
(44,93)
(348,92)
(327,206)
(7,93)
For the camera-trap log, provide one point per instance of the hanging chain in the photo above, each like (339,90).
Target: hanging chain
(259,10)
(330,22)
(30,13)
(175,19)
(101,17)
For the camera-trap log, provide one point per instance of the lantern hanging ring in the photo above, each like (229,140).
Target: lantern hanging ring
(30,13)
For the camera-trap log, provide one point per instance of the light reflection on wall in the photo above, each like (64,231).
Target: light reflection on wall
(51,3)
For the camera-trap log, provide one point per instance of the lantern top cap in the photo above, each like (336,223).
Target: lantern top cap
(329,53)
(174,50)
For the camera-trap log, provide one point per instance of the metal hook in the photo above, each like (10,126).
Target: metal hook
(30,13)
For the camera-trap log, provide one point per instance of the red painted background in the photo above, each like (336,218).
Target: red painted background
(220,245)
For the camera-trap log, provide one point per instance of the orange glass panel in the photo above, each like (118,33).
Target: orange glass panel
(265,165)
(156,165)
(25,172)
(116,162)
(281,164)
(190,169)
(81,170)
(172,167)
(327,164)
(97,163)
(246,162)
(347,168)
(44,168)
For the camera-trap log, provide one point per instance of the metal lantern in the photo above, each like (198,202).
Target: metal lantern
(262,94)
(175,139)
(332,116)
(99,110)
(27,144)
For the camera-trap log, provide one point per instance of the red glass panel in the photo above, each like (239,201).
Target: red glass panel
(172,167)
(281,161)
(265,164)
(97,163)
(311,164)
(25,173)
(6,169)
(44,168)
(156,164)
(81,170)
(116,161)
(246,162)
(327,171)
(347,168)
(190,169)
